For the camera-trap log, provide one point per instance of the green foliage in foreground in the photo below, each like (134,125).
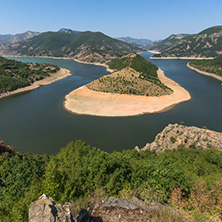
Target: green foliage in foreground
(78,170)
(14,74)
(211,66)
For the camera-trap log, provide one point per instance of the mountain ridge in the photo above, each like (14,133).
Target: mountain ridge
(86,46)
(207,43)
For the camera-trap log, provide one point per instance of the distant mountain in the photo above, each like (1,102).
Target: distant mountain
(144,43)
(169,42)
(85,46)
(4,36)
(18,38)
(207,43)
(68,31)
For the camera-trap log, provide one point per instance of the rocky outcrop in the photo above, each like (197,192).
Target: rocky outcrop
(108,210)
(45,210)
(9,149)
(122,210)
(189,136)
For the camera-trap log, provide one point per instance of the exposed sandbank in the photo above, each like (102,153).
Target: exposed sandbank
(153,51)
(192,57)
(61,74)
(205,73)
(88,102)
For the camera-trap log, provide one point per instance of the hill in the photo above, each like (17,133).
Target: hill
(14,75)
(134,75)
(18,38)
(169,42)
(143,43)
(188,179)
(210,66)
(207,43)
(85,46)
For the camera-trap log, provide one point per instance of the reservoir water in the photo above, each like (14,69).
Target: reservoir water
(36,121)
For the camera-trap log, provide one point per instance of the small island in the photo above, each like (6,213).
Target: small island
(136,86)
(211,68)
(17,77)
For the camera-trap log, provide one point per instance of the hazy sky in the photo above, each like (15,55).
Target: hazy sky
(156,19)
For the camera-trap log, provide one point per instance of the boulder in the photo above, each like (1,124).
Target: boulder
(45,210)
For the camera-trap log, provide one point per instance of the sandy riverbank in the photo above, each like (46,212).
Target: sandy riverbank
(205,73)
(88,102)
(153,51)
(181,57)
(61,74)
(96,64)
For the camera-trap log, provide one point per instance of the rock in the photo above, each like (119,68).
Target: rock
(122,210)
(45,210)
(174,135)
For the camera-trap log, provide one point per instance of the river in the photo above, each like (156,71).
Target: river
(36,121)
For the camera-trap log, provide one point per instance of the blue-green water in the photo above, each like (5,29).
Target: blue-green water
(36,121)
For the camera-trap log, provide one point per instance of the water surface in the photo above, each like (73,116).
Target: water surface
(36,121)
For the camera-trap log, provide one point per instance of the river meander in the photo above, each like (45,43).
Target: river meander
(36,121)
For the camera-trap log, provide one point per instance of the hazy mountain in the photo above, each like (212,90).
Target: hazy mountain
(68,31)
(86,46)
(169,42)
(207,43)
(4,36)
(18,37)
(144,43)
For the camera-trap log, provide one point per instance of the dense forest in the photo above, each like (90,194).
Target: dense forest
(211,66)
(14,74)
(187,179)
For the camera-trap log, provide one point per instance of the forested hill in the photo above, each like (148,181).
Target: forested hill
(14,74)
(211,66)
(134,75)
(86,46)
(207,43)
(188,179)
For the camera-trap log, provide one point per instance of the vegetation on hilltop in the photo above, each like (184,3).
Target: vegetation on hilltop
(135,75)
(188,179)
(14,74)
(86,46)
(212,66)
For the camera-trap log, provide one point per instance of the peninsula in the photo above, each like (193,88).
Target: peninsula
(17,77)
(135,87)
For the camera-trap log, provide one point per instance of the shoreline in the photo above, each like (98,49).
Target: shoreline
(71,58)
(192,57)
(95,64)
(61,74)
(205,73)
(153,51)
(84,101)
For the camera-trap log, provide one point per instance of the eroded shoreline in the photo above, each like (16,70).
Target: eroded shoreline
(88,102)
(204,73)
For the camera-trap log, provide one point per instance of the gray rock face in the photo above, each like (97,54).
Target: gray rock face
(45,210)
(190,137)
(122,210)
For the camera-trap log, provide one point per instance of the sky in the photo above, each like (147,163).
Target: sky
(149,19)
